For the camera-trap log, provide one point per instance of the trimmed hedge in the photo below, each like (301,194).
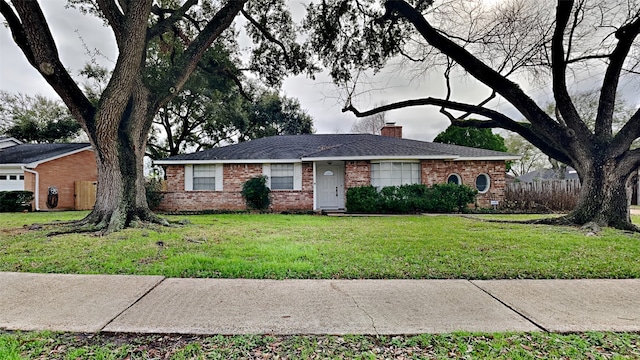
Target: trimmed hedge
(15,201)
(410,199)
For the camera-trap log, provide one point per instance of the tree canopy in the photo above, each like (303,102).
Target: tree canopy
(36,119)
(506,46)
(119,120)
(472,137)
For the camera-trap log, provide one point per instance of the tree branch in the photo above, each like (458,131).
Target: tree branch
(177,76)
(115,18)
(627,135)
(32,34)
(626,36)
(268,35)
(479,70)
(165,24)
(559,71)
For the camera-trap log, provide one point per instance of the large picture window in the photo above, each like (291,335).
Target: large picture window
(204,177)
(394,174)
(281,176)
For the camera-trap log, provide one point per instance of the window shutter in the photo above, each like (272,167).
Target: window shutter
(266,171)
(219,177)
(297,176)
(188,177)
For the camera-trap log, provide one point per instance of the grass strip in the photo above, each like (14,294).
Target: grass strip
(590,345)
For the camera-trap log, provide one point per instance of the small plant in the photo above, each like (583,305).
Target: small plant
(450,197)
(256,193)
(153,191)
(15,201)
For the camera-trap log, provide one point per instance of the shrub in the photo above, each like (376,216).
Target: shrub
(363,199)
(14,201)
(153,191)
(256,193)
(449,198)
(409,199)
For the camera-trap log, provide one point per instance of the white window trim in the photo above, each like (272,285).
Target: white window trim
(457,176)
(297,176)
(406,161)
(488,183)
(188,178)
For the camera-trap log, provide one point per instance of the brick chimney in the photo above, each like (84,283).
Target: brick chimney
(392,130)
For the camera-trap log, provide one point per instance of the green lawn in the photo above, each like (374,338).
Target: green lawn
(592,345)
(304,246)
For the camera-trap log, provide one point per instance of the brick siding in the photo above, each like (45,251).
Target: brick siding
(62,173)
(230,198)
(437,172)
(357,173)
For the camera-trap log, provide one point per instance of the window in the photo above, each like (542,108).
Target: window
(454,179)
(3,177)
(482,183)
(204,177)
(394,174)
(281,176)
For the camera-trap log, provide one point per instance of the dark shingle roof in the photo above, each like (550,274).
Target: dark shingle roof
(30,153)
(333,146)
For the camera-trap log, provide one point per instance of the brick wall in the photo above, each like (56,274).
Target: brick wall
(63,173)
(230,198)
(437,172)
(357,173)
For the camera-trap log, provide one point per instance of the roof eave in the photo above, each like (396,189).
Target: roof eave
(489,158)
(225,161)
(35,164)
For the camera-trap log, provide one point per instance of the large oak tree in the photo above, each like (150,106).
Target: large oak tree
(538,42)
(118,126)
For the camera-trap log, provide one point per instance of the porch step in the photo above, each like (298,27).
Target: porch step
(333,212)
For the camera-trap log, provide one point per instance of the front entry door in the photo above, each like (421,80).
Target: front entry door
(330,186)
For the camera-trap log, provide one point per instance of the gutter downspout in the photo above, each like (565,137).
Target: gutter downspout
(37,185)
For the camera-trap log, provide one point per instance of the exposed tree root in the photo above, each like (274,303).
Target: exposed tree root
(566,220)
(101,225)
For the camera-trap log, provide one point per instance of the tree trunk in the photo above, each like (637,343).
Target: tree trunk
(603,198)
(121,195)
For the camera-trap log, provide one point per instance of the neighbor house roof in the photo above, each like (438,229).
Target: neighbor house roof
(334,147)
(549,174)
(34,154)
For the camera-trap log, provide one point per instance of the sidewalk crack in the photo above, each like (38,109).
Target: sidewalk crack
(132,304)
(355,302)
(509,307)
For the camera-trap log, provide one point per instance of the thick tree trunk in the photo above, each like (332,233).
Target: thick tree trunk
(603,198)
(121,196)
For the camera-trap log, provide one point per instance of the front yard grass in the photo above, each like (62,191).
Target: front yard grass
(591,345)
(319,247)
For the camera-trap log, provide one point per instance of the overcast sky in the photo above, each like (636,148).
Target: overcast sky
(75,33)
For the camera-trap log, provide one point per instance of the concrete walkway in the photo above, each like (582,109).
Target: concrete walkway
(154,304)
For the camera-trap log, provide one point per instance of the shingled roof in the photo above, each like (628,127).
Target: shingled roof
(336,147)
(26,154)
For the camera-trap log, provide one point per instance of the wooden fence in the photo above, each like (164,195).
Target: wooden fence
(555,195)
(85,192)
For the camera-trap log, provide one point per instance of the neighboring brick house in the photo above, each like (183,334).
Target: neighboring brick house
(39,167)
(312,172)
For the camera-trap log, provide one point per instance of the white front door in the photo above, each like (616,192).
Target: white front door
(330,186)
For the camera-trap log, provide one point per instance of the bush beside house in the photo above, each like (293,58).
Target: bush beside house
(408,199)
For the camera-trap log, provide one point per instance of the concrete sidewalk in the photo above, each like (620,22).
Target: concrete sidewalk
(153,304)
